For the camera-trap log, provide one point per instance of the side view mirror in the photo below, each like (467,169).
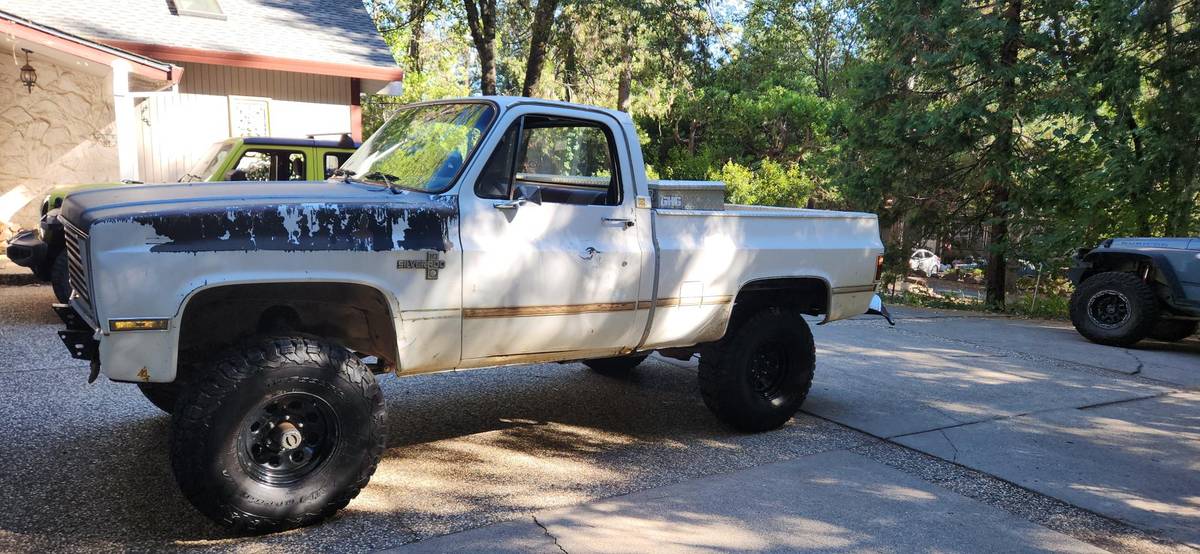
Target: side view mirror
(529,193)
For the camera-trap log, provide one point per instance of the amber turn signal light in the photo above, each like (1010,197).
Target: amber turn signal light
(878,267)
(138,324)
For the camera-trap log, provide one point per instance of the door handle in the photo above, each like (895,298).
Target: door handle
(510,204)
(625,222)
(588,253)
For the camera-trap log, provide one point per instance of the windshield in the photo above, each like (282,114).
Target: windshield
(204,168)
(421,148)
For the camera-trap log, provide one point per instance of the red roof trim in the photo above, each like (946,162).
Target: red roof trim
(255,61)
(93,52)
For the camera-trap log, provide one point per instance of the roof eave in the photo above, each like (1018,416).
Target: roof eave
(140,65)
(258,61)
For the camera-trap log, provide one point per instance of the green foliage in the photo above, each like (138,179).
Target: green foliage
(1023,129)
(772,184)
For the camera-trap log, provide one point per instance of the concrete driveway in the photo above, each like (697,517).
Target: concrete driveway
(946,432)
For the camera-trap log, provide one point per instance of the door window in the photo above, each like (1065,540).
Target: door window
(334,160)
(567,161)
(269,165)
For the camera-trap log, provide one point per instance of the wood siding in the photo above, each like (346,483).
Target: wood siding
(178,128)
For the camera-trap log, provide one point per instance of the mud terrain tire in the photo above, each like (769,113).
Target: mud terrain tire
(276,434)
(756,378)
(1114,308)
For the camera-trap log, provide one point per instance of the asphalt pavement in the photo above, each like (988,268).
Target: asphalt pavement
(949,432)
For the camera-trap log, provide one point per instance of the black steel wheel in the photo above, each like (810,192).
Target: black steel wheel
(279,433)
(757,377)
(1114,308)
(287,437)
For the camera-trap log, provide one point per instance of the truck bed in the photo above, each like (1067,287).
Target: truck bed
(707,256)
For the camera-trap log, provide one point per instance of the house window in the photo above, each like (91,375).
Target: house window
(199,8)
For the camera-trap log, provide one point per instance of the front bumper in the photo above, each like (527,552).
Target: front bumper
(27,250)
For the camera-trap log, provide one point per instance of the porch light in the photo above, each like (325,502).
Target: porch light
(28,73)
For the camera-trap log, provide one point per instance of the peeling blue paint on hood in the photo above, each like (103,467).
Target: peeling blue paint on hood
(289,216)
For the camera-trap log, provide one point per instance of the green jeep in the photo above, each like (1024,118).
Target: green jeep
(235,159)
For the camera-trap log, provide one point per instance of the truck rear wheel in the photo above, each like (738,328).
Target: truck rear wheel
(1114,308)
(756,378)
(619,366)
(162,395)
(1173,330)
(280,433)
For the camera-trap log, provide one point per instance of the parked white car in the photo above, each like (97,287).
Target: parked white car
(925,262)
(468,233)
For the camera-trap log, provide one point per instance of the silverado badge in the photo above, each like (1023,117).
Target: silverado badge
(431,264)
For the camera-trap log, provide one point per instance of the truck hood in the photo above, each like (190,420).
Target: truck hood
(1174,243)
(248,216)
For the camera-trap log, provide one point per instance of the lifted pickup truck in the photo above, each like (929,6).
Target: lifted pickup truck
(468,233)
(233,159)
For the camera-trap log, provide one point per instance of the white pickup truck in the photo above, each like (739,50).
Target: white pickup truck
(467,233)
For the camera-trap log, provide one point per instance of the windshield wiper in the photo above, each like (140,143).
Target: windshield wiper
(386,178)
(343,172)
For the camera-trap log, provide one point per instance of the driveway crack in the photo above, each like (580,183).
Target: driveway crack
(549,534)
(1140,363)
(951,443)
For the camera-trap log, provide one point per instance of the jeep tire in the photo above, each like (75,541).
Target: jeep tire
(162,395)
(1173,330)
(60,279)
(619,366)
(756,378)
(279,433)
(1114,308)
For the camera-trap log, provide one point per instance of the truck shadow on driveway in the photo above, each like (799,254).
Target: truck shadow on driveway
(86,467)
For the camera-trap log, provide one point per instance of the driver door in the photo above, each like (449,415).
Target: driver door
(550,255)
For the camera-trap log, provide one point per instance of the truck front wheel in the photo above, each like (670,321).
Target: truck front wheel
(1114,308)
(280,433)
(756,378)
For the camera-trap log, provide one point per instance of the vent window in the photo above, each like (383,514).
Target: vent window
(199,8)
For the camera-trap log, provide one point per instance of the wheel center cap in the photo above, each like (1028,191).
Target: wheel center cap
(289,436)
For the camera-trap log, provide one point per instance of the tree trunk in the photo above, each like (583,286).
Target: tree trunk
(625,83)
(997,271)
(481,19)
(570,61)
(539,38)
(417,11)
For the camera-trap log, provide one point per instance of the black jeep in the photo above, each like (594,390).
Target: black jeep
(1128,289)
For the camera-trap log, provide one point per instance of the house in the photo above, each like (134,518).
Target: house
(104,90)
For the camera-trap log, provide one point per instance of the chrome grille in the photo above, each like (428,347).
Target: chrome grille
(77,266)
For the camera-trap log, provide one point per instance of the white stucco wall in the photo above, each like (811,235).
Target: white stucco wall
(61,133)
